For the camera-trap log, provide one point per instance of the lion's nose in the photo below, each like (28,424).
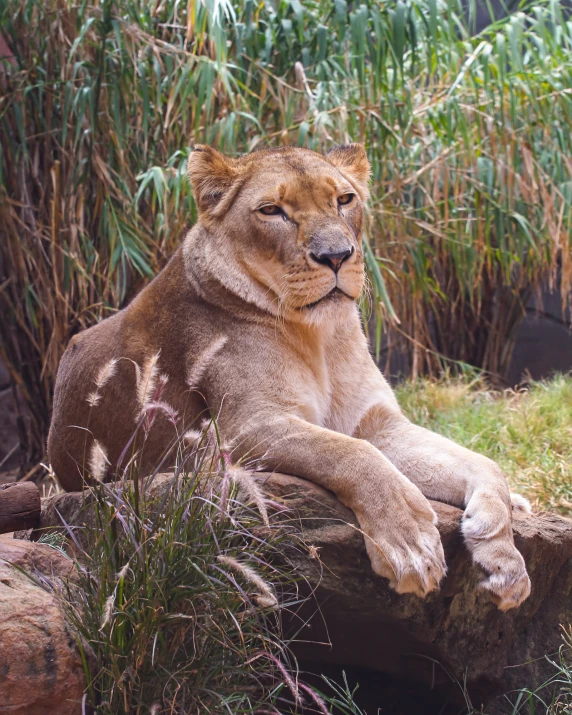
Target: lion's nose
(333,260)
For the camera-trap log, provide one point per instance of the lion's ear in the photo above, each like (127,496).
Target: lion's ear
(352,161)
(213,177)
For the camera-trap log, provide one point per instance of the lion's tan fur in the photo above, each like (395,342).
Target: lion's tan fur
(237,325)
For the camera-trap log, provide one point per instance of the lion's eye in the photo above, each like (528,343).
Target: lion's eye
(345,199)
(270,210)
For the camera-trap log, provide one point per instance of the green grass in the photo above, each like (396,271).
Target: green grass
(177,602)
(528,433)
(180,593)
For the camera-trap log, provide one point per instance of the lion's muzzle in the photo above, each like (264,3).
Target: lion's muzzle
(332,260)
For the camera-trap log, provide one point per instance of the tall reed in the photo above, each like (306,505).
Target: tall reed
(469,137)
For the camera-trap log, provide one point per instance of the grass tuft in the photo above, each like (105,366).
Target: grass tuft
(178,601)
(527,432)
(180,591)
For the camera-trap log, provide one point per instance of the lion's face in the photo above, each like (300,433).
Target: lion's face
(293,220)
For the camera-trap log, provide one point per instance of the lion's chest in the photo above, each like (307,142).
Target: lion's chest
(332,396)
(334,380)
(314,405)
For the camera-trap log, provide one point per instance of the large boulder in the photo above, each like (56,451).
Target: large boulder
(453,636)
(41,671)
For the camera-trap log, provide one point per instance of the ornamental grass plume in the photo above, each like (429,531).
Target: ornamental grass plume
(98,461)
(202,362)
(102,378)
(266,596)
(107,611)
(146,379)
(175,594)
(249,488)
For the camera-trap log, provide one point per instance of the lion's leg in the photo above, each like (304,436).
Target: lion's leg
(447,472)
(397,521)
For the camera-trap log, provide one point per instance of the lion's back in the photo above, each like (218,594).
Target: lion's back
(110,371)
(71,422)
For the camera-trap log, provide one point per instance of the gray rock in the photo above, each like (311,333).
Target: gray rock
(451,635)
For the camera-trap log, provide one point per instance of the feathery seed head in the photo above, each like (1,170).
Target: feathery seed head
(93,399)
(204,359)
(266,592)
(98,461)
(192,437)
(153,407)
(147,380)
(107,611)
(103,376)
(123,571)
(250,487)
(106,373)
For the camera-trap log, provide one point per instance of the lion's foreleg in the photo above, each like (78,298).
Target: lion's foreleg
(397,521)
(448,472)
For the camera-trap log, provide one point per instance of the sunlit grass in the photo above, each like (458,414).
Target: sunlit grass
(529,433)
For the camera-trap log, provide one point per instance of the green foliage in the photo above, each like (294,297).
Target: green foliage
(528,433)
(179,594)
(469,139)
(178,602)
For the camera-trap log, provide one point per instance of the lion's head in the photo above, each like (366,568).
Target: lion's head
(291,219)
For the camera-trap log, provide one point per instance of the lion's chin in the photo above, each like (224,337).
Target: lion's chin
(335,296)
(330,307)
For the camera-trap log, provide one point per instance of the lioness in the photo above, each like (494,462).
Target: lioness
(255,320)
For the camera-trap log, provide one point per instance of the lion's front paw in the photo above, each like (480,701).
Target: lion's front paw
(404,546)
(488,534)
(506,577)
(520,503)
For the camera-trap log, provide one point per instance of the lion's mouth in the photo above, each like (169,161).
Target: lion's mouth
(335,294)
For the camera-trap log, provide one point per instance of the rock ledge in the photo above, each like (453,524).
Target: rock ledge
(455,634)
